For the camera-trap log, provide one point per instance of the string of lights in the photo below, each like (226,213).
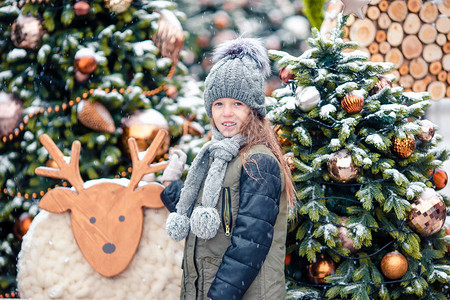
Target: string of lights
(63,107)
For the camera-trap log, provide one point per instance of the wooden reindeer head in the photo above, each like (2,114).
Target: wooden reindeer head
(107,218)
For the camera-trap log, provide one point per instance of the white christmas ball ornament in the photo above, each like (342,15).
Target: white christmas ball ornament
(307,98)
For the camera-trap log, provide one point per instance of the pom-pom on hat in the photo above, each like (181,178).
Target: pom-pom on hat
(240,68)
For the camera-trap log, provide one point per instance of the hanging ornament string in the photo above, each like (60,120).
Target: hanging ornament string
(10,295)
(163,86)
(33,195)
(325,285)
(41,193)
(60,108)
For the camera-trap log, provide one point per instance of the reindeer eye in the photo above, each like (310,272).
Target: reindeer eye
(121,218)
(92,220)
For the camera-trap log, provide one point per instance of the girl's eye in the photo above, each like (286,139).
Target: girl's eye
(238,103)
(217,103)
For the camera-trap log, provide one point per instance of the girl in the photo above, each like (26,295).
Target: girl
(232,209)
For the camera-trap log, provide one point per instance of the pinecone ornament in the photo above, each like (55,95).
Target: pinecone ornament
(95,116)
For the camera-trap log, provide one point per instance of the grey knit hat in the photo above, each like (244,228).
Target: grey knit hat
(240,68)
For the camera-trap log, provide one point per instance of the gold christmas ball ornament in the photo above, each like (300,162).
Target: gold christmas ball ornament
(321,268)
(352,103)
(394,265)
(440,179)
(11,113)
(118,6)
(381,83)
(96,116)
(85,61)
(428,213)
(286,75)
(426,131)
(169,38)
(27,32)
(284,141)
(403,147)
(51,163)
(341,166)
(81,8)
(144,125)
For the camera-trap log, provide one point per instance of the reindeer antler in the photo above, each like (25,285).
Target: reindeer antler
(68,171)
(142,167)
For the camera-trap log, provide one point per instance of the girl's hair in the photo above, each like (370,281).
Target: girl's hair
(257,130)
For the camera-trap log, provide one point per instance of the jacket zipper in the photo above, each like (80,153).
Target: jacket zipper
(226,211)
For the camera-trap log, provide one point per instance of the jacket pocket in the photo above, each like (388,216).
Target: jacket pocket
(227,215)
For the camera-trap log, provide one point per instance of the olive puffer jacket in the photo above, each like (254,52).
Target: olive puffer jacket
(245,260)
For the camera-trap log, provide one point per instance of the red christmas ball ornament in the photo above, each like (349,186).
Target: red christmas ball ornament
(286,75)
(81,8)
(440,179)
(287,259)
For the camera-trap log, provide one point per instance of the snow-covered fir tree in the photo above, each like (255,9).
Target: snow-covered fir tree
(365,162)
(94,71)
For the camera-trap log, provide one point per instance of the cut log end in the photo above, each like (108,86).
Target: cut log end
(437,90)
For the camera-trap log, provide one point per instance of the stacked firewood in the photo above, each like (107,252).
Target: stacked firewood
(412,34)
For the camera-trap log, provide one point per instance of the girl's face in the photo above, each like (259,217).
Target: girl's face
(229,115)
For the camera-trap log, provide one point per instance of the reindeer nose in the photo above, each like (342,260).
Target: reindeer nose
(109,248)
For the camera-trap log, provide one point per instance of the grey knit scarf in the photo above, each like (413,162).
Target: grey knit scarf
(204,220)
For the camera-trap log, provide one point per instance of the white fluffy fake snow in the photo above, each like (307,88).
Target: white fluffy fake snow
(51,266)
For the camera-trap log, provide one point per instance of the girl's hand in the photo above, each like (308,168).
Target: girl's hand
(174,170)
